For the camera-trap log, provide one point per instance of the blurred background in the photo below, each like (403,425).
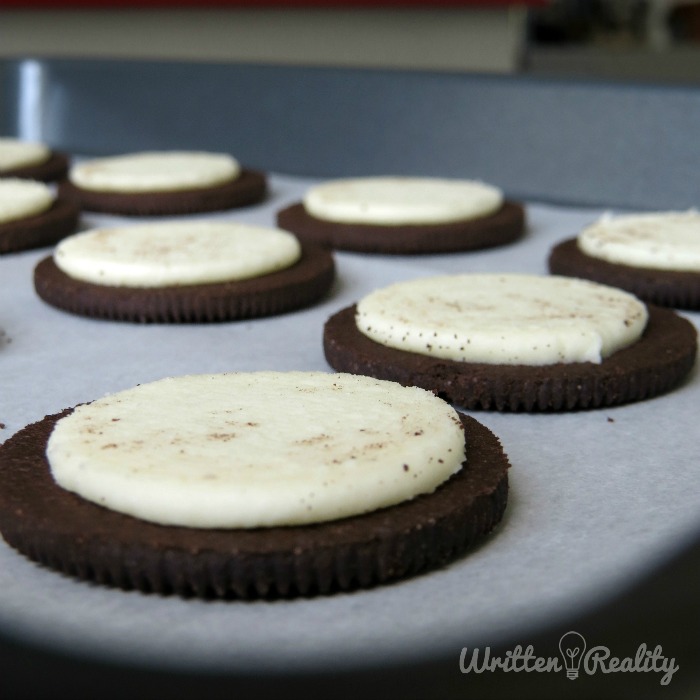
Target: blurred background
(648,40)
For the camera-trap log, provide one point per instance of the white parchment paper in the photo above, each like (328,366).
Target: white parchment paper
(597,498)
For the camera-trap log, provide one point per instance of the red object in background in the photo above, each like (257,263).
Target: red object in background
(136,4)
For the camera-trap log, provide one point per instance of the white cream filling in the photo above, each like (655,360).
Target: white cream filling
(402,200)
(176,253)
(20,199)
(503,319)
(661,240)
(155,171)
(15,153)
(257,449)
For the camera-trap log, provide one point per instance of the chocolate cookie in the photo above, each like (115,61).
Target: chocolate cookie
(292,288)
(248,188)
(653,365)
(673,288)
(505,226)
(55,168)
(66,532)
(39,230)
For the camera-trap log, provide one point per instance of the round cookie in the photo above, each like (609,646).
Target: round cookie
(31,160)
(209,287)
(654,256)
(31,216)
(400,215)
(163,183)
(67,532)
(655,363)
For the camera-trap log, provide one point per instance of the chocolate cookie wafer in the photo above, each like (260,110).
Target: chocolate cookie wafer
(407,216)
(675,288)
(31,216)
(40,230)
(155,183)
(53,169)
(655,362)
(655,255)
(31,160)
(67,532)
(183,272)
(279,292)
(249,187)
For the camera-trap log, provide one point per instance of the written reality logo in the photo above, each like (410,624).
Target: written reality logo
(572,648)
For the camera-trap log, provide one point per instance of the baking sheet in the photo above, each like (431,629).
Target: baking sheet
(597,498)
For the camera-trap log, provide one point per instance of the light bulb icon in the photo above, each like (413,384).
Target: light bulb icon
(572,646)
